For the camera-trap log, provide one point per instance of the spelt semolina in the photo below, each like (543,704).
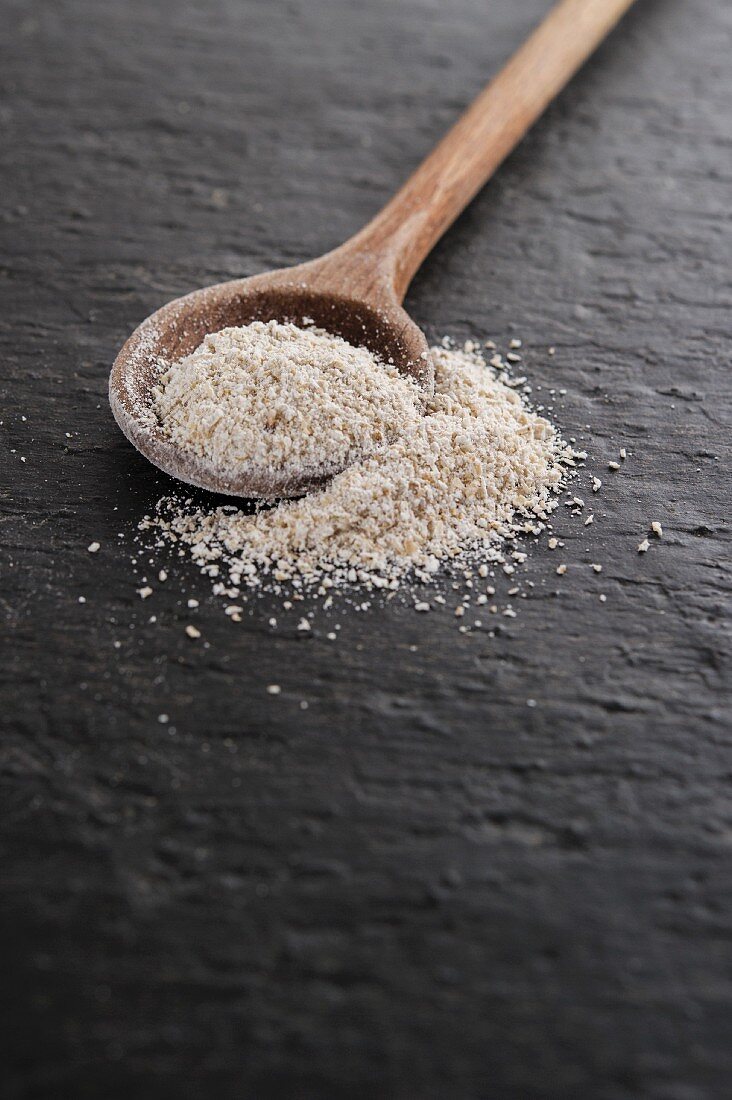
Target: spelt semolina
(281,398)
(477,469)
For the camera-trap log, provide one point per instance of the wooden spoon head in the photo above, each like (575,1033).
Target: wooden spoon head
(180,326)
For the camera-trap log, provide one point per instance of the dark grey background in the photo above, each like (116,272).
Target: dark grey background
(419,886)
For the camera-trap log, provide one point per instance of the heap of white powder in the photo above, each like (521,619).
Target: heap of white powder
(455,484)
(280,398)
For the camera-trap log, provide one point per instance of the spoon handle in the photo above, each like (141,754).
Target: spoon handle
(387,252)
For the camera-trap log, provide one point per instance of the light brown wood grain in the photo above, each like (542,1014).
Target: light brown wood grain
(389,250)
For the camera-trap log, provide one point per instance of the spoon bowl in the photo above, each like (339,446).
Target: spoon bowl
(296,295)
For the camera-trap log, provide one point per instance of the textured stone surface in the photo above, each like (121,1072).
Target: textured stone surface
(420,885)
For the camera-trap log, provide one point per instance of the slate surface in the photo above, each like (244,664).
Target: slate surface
(420,885)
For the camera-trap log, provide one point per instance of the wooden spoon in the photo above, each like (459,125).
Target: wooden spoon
(356,290)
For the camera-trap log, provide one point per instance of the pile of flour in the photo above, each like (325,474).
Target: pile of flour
(285,399)
(455,484)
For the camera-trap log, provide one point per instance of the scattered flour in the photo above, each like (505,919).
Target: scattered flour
(457,484)
(277,397)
